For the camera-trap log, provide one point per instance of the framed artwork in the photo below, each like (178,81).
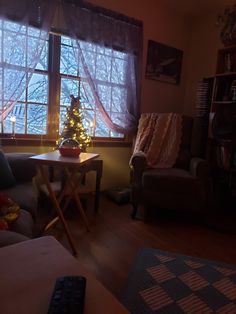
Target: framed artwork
(163,63)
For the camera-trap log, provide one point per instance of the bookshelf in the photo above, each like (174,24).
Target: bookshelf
(221,147)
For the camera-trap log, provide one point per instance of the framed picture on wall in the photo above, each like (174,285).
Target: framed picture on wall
(163,63)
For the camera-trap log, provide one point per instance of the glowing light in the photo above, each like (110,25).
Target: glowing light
(13,121)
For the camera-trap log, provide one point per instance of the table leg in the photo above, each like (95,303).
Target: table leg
(75,192)
(58,209)
(97,192)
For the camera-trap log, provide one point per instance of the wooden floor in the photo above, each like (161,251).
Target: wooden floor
(109,249)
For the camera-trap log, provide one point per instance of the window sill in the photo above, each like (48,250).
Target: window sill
(17,141)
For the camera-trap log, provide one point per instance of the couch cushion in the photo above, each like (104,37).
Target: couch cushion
(24,224)
(10,237)
(6,175)
(25,195)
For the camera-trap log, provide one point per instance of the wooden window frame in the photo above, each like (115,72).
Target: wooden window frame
(54,85)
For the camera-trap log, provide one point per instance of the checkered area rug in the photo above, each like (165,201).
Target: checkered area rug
(163,282)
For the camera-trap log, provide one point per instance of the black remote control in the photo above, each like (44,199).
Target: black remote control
(68,295)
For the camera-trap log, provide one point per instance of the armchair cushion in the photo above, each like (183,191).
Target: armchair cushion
(171,181)
(7,177)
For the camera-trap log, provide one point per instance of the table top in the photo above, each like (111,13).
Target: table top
(28,273)
(56,158)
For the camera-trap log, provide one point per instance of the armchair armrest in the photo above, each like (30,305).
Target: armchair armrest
(22,167)
(138,164)
(199,168)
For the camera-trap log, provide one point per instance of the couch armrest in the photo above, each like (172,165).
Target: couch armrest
(23,168)
(199,168)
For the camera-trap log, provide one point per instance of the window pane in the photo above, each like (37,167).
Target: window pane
(18,112)
(68,63)
(118,118)
(115,134)
(14,48)
(87,99)
(9,88)
(22,47)
(35,44)
(119,99)
(88,46)
(37,121)
(101,129)
(118,71)
(8,125)
(0,42)
(18,28)
(92,61)
(103,68)
(119,54)
(38,88)
(104,50)
(62,118)
(68,87)
(104,92)
(89,121)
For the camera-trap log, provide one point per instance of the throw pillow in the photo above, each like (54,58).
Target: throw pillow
(7,178)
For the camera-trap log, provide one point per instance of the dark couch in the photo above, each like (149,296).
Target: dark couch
(24,193)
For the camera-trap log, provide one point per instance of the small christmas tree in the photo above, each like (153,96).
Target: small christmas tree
(73,125)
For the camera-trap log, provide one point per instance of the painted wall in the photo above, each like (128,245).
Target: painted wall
(161,25)
(204,42)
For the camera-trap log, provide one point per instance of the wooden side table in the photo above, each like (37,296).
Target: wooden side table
(70,188)
(94,165)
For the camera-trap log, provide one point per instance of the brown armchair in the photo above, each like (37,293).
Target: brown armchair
(185,186)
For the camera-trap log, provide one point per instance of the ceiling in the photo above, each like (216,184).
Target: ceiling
(197,7)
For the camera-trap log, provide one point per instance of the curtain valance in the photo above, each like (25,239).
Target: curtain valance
(104,27)
(38,13)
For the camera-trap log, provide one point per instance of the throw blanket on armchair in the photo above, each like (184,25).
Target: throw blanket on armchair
(159,138)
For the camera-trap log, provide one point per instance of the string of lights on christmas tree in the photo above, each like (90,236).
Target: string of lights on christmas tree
(73,127)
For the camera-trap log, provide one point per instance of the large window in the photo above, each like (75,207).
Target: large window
(30,88)
(36,107)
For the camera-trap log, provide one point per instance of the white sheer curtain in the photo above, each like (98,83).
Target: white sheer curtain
(109,49)
(24,28)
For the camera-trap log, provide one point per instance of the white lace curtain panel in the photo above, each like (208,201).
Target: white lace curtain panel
(120,36)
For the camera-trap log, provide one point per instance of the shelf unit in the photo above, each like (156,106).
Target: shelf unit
(221,147)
